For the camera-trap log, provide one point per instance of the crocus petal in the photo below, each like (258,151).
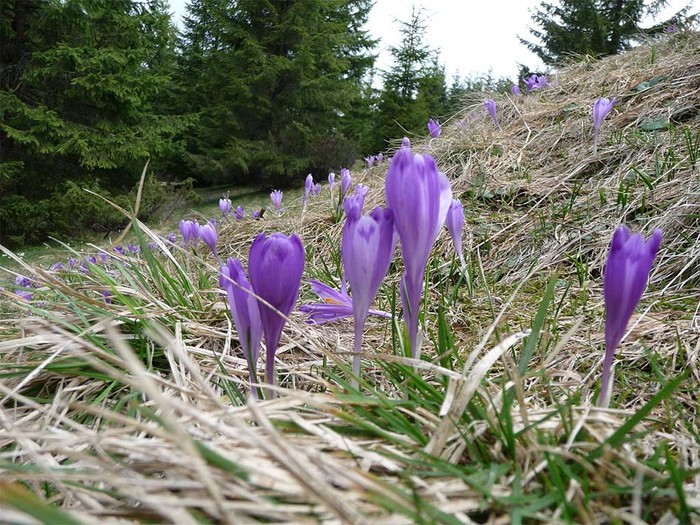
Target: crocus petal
(208,235)
(434,128)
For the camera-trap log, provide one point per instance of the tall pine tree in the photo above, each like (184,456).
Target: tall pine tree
(80,86)
(274,81)
(587,27)
(414,88)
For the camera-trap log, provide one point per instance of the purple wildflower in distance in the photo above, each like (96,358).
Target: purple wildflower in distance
(601,108)
(208,234)
(515,90)
(331,181)
(455,224)
(189,231)
(225,206)
(118,249)
(239,213)
(405,143)
(56,267)
(380,158)
(245,313)
(256,214)
(345,182)
(106,296)
(133,248)
(370,160)
(171,237)
(434,128)
(308,187)
(276,198)
(625,277)
(419,197)
(316,189)
(490,105)
(275,265)
(367,247)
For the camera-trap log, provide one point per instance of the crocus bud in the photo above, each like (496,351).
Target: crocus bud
(419,197)
(625,277)
(208,234)
(490,106)
(276,198)
(601,108)
(225,206)
(367,249)
(434,128)
(275,265)
(345,181)
(455,224)
(331,180)
(239,213)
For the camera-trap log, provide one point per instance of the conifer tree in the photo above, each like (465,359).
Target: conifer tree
(414,87)
(80,87)
(274,81)
(587,27)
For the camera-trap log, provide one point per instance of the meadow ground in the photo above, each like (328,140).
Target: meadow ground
(137,410)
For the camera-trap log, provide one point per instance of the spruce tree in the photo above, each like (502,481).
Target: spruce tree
(274,82)
(587,27)
(414,87)
(80,86)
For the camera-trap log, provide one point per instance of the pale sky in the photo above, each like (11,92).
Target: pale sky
(472,36)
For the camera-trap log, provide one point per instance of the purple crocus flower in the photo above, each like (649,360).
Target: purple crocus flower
(317,189)
(370,160)
(455,224)
(133,248)
(106,296)
(275,265)
(189,231)
(515,90)
(361,192)
(336,305)
(434,128)
(331,181)
(256,214)
(171,237)
(625,277)
(345,182)
(405,143)
(117,249)
(308,187)
(368,245)
(276,198)
(73,261)
(225,206)
(490,105)
(380,158)
(56,267)
(208,234)
(419,197)
(245,313)
(239,213)
(601,108)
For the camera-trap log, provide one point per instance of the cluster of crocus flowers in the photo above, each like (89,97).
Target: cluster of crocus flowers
(434,128)
(601,108)
(625,277)
(490,105)
(419,197)
(535,82)
(275,267)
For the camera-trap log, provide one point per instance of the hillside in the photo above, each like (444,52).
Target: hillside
(133,407)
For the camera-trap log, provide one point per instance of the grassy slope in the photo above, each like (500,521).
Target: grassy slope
(136,411)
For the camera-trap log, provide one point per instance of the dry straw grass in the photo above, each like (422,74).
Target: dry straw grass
(129,442)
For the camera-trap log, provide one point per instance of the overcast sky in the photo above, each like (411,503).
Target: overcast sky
(473,36)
